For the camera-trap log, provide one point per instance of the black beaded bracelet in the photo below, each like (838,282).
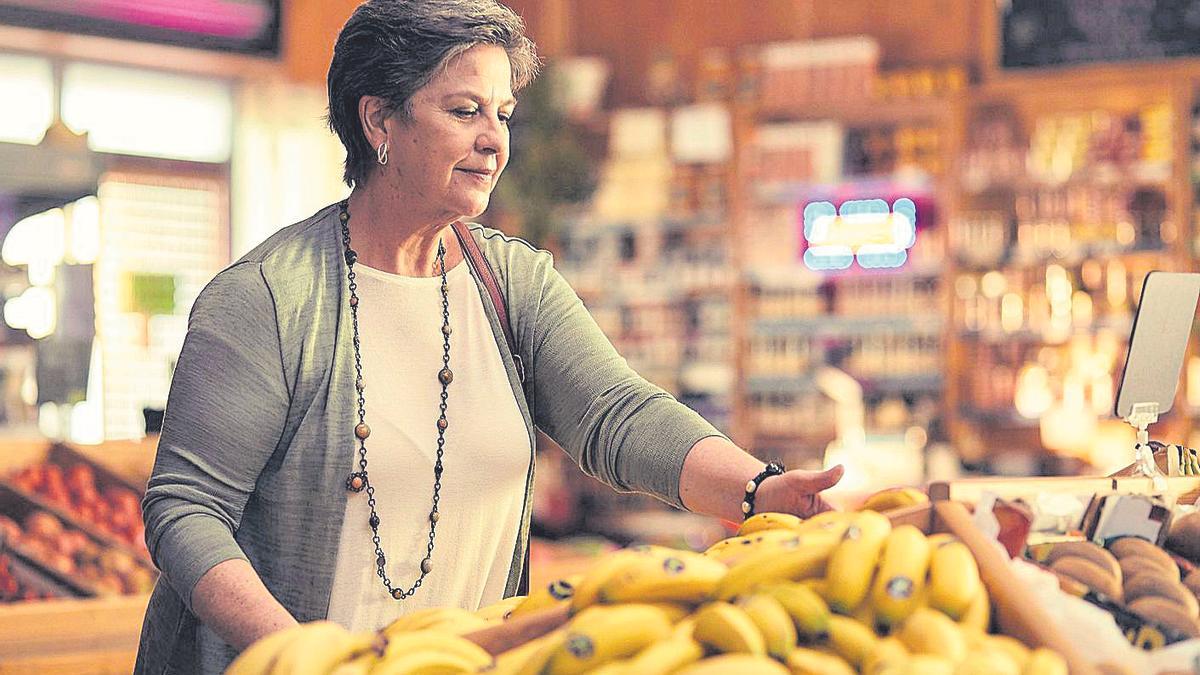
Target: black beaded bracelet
(772,469)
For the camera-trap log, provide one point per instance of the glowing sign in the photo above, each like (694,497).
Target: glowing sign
(866,229)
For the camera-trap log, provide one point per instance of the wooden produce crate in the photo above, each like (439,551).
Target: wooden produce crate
(1014,610)
(59,637)
(66,457)
(113,561)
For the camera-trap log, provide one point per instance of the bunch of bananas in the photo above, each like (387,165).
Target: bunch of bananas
(837,593)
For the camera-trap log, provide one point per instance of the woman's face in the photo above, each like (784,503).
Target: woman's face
(446,158)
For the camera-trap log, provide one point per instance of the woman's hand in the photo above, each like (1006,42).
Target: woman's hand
(797,492)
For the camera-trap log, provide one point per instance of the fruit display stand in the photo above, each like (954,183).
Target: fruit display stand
(1016,614)
(86,625)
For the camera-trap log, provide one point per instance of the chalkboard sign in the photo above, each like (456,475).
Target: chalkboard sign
(1038,33)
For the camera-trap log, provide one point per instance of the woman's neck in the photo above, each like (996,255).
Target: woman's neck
(388,237)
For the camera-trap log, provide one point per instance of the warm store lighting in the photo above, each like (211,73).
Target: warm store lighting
(34,311)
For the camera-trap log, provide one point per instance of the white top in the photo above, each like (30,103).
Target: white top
(486,456)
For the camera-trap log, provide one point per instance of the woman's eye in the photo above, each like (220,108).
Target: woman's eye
(505,117)
(466,112)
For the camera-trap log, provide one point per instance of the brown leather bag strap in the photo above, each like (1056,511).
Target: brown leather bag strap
(483,269)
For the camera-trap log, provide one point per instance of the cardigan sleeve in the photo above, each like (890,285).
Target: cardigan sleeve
(618,427)
(224,417)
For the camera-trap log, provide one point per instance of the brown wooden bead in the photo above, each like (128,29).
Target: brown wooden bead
(398,593)
(354,301)
(442,423)
(426,566)
(446,330)
(433,517)
(362,431)
(357,483)
(446,376)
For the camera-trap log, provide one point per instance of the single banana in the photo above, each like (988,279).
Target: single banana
(852,640)
(808,611)
(978,615)
(808,560)
(725,628)
(894,498)
(682,576)
(768,521)
(825,520)
(499,611)
(258,658)
(773,621)
(742,664)
(424,663)
(1044,661)
(545,596)
(928,664)
(900,580)
(928,631)
(434,617)
(987,662)
(684,627)
(587,591)
(852,563)
(318,647)
(602,634)
(436,641)
(939,539)
(666,656)
(953,579)
(803,661)
(736,549)
(888,654)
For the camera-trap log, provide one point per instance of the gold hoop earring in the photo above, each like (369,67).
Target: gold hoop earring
(381,153)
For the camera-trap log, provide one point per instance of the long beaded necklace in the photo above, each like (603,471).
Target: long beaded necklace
(358,480)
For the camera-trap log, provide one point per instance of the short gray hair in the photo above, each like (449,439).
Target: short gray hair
(392,48)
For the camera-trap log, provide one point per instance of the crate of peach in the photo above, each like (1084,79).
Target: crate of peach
(21,581)
(77,490)
(75,559)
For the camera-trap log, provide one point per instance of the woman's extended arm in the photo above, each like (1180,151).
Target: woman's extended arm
(232,599)
(715,474)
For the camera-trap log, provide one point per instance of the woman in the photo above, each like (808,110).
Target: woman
(349,434)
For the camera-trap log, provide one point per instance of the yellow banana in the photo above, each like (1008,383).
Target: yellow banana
(682,576)
(807,560)
(888,654)
(939,539)
(768,521)
(1044,661)
(360,665)
(587,591)
(684,627)
(900,579)
(260,656)
(953,579)
(804,661)
(928,664)
(928,631)
(318,647)
(424,663)
(773,621)
(894,498)
(852,640)
(435,617)
(852,563)
(808,611)
(735,549)
(725,628)
(499,611)
(545,596)
(742,664)
(825,520)
(603,634)
(987,662)
(666,656)
(1014,648)
(978,615)
(436,641)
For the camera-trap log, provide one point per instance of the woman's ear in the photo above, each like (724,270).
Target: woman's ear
(372,115)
